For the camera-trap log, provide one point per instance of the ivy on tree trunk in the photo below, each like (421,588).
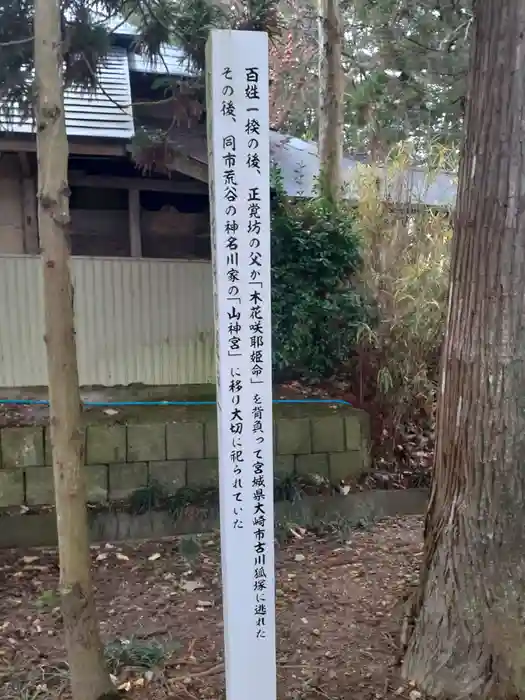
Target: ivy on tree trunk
(465,635)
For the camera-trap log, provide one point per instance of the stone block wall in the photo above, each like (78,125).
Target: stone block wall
(120,459)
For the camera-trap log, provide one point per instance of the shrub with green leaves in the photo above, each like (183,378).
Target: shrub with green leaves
(317,310)
(405,270)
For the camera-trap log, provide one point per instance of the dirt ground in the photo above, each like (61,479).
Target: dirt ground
(338,610)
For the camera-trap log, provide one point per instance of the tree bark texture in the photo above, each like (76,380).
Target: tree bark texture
(465,632)
(89,677)
(331,99)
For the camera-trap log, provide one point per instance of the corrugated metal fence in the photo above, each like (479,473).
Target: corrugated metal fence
(137,321)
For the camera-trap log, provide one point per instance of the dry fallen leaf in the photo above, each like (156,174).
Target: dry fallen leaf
(29,560)
(296,533)
(190,586)
(122,557)
(154,557)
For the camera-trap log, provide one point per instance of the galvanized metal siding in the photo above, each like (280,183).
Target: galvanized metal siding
(107,112)
(104,113)
(22,351)
(148,321)
(137,321)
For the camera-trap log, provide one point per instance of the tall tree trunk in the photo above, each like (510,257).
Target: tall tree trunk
(465,635)
(89,677)
(331,99)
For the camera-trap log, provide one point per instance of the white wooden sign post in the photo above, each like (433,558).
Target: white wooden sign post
(239,176)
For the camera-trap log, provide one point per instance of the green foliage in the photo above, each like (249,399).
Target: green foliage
(406,259)
(86,38)
(189,548)
(155,497)
(409,64)
(84,44)
(205,498)
(134,653)
(316,310)
(48,600)
(189,24)
(405,63)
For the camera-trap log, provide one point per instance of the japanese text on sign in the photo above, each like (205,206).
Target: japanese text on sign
(238,143)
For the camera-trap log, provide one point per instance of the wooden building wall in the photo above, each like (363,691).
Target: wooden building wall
(12,186)
(121,217)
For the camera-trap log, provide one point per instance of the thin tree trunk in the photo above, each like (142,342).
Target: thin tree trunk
(89,677)
(465,634)
(331,99)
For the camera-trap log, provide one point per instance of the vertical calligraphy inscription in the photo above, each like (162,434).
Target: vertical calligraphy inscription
(256,139)
(238,145)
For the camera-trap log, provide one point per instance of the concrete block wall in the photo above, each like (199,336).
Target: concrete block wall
(123,458)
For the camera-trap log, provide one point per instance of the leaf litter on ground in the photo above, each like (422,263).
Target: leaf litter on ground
(337,616)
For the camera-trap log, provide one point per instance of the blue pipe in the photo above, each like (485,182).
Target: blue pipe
(108,404)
